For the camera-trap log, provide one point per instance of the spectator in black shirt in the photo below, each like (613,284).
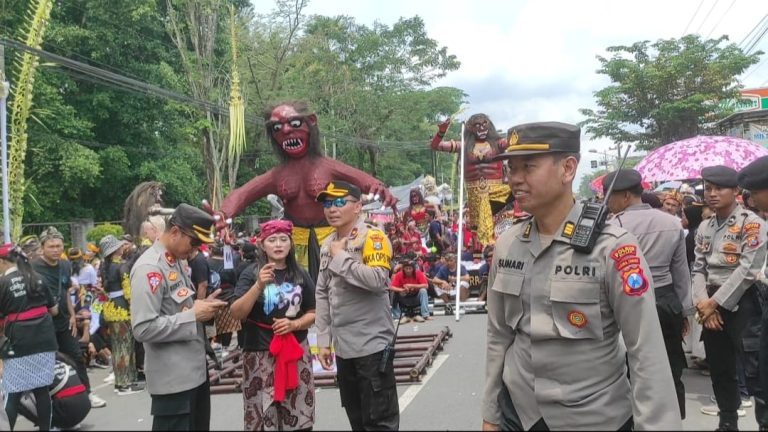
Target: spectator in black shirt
(277,300)
(437,238)
(692,217)
(56,275)
(225,280)
(200,273)
(29,352)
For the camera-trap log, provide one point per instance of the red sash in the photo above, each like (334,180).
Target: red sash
(287,352)
(35,312)
(67,392)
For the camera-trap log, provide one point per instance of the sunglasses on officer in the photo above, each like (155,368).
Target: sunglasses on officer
(338,202)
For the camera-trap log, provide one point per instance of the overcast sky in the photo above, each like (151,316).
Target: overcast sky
(544,50)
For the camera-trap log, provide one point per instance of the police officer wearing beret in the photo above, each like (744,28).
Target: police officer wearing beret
(555,315)
(662,240)
(168,320)
(354,311)
(754,178)
(730,252)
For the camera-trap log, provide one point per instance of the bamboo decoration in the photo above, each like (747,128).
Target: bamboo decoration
(26,65)
(236,104)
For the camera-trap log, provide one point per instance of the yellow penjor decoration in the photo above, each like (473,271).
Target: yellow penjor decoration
(26,65)
(236,105)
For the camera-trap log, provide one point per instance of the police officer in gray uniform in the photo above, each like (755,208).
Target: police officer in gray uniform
(754,178)
(555,315)
(662,240)
(354,311)
(168,320)
(730,252)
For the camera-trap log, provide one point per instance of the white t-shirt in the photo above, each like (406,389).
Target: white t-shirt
(87,275)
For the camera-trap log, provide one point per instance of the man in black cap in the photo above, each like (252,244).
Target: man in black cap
(754,178)
(555,314)
(730,252)
(168,320)
(354,311)
(662,240)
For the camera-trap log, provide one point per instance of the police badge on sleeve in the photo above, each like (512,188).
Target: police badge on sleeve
(635,283)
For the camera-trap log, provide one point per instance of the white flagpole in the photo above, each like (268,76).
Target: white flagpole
(460,239)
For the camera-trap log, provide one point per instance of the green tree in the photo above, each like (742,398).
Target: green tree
(665,91)
(585,190)
(90,143)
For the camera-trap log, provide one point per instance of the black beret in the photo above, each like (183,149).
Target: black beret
(651,199)
(755,175)
(720,175)
(193,222)
(543,137)
(338,189)
(625,179)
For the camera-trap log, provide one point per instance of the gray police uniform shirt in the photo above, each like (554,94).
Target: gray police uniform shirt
(729,256)
(352,294)
(554,320)
(162,298)
(662,241)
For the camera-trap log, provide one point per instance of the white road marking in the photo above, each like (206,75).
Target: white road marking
(413,390)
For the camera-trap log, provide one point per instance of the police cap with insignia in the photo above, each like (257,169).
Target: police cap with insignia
(625,179)
(720,175)
(542,137)
(755,175)
(193,222)
(338,189)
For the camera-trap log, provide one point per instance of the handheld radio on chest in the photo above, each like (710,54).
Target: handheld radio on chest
(592,219)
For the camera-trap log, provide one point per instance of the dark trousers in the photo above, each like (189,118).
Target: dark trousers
(70,347)
(670,312)
(740,337)
(43,408)
(138,350)
(188,410)
(368,396)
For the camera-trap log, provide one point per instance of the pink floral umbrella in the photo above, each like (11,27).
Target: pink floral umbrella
(684,159)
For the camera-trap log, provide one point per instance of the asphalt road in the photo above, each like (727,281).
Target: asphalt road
(449,397)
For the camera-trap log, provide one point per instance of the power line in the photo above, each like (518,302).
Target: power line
(721,18)
(84,58)
(692,18)
(752,41)
(758,39)
(707,15)
(119,80)
(759,23)
(99,76)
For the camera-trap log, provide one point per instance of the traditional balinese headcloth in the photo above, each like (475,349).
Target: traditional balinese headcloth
(674,195)
(29,244)
(50,233)
(74,254)
(277,226)
(92,248)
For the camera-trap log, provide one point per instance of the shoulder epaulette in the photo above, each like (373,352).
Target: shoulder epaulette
(521,219)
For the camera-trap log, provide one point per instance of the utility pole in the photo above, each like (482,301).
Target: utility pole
(4,90)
